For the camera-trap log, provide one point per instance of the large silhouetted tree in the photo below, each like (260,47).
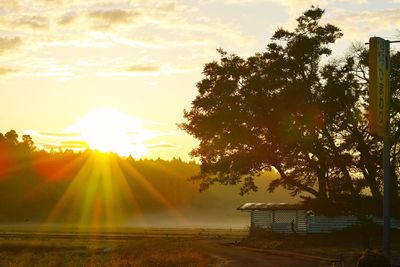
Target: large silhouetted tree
(285,110)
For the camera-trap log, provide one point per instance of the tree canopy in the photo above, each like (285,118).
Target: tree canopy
(297,111)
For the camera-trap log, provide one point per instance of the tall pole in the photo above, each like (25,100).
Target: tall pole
(386,196)
(387,181)
(379,103)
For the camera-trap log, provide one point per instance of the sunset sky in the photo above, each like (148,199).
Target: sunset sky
(70,69)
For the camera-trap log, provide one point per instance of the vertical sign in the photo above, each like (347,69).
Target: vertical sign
(379,64)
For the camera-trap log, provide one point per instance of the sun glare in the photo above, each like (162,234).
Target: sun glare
(109,130)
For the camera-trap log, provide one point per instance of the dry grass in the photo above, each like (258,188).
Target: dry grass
(341,244)
(141,252)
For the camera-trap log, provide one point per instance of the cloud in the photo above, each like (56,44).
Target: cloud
(146,42)
(304,4)
(8,44)
(58,140)
(74,144)
(33,22)
(161,145)
(108,18)
(101,20)
(50,67)
(81,43)
(147,70)
(143,68)
(105,17)
(292,4)
(59,134)
(362,24)
(9,4)
(359,2)
(51,28)
(171,16)
(53,2)
(5,71)
(296,7)
(67,18)
(233,2)
(49,146)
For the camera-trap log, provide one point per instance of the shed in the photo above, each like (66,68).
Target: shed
(281,217)
(290,218)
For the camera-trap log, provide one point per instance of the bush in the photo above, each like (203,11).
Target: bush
(373,258)
(264,233)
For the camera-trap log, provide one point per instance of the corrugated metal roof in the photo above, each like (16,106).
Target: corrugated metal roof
(270,206)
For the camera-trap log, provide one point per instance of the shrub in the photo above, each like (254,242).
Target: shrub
(373,258)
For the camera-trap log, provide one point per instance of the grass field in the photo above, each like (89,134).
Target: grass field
(139,252)
(117,232)
(72,246)
(66,246)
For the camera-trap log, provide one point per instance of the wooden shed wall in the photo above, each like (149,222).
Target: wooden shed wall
(261,218)
(280,221)
(322,224)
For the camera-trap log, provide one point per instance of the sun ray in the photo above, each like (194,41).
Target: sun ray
(95,197)
(179,195)
(110,203)
(89,197)
(63,171)
(153,191)
(67,199)
(124,188)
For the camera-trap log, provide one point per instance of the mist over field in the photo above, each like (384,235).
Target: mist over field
(77,189)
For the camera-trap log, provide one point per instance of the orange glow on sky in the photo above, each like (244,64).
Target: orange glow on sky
(60,60)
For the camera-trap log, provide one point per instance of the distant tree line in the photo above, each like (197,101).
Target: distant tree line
(295,110)
(33,181)
(63,186)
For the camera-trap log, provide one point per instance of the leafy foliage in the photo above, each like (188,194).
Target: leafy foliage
(292,110)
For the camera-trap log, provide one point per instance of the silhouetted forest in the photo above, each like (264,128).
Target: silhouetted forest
(39,186)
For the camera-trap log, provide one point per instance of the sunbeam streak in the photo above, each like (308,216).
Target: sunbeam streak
(69,198)
(153,191)
(99,196)
(124,189)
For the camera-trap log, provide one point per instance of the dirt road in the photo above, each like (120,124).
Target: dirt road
(237,257)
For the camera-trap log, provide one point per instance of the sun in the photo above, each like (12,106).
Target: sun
(109,130)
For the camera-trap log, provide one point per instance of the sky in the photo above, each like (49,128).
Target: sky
(71,70)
